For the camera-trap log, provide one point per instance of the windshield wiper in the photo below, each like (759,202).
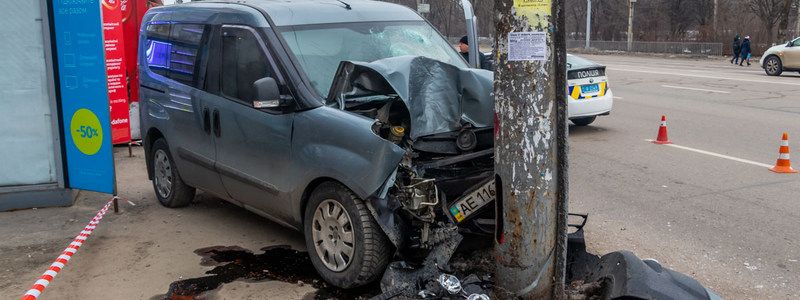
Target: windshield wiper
(346,6)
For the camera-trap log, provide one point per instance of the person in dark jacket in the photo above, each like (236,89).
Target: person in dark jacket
(463,48)
(745,53)
(737,49)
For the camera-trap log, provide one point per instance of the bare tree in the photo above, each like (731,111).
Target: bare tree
(702,12)
(655,20)
(783,24)
(797,19)
(769,12)
(679,16)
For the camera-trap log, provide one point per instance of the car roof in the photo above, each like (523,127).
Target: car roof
(307,12)
(575,62)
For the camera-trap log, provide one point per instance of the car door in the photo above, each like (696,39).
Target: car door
(792,55)
(173,55)
(253,145)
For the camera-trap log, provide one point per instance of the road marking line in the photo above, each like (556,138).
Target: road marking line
(694,89)
(619,98)
(741,160)
(678,68)
(704,76)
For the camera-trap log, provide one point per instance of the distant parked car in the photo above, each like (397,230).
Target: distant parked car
(587,88)
(782,58)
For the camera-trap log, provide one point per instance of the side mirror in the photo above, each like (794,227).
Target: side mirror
(268,94)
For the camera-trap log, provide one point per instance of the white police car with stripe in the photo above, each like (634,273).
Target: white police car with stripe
(588,93)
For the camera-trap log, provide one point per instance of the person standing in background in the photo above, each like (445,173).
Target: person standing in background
(745,52)
(463,48)
(737,49)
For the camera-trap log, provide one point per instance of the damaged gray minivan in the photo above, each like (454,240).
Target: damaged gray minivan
(355,122)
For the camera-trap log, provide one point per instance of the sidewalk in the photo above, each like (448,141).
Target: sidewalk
(135,254)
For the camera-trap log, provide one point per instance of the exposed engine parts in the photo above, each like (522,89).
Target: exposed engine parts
(466,140)
(448,152)
(419,196)
(434,168)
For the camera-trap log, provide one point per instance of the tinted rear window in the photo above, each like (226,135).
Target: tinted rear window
(575,62)
(172,50)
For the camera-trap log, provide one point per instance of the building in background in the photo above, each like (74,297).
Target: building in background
(31,169)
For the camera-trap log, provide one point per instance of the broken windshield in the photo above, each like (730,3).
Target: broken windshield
(320,48)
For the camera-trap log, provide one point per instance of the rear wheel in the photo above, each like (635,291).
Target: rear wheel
(345,244)
(773,66)
(583,121)
(170,189)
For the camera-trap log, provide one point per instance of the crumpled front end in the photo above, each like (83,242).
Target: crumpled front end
(442,116)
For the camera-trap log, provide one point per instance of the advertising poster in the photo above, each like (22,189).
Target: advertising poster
(132,13)
(83,94)
(116,71)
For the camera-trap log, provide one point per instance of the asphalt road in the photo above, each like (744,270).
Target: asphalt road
(732,225)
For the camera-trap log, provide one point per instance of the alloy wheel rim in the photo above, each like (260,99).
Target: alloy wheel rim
(332,232)
(163,174)
(772,65)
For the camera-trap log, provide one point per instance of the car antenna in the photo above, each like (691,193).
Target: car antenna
(346,6)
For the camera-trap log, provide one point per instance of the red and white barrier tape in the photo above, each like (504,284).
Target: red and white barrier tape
(62,259)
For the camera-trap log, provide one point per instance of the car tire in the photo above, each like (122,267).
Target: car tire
(773,66)
(337,220)
(170,189)
(583,121)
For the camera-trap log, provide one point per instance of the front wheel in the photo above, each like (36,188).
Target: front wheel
(773,66)
(345,244)
(583,121)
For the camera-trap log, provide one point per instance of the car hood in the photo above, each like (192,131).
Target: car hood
(439,97)
(775,49)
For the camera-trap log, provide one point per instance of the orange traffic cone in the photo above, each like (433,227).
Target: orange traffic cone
(662,132)
(784,164)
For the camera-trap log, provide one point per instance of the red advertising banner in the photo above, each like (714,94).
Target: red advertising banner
(132,13)
(116,72)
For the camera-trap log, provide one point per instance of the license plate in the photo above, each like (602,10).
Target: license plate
(590,88)
(473,201)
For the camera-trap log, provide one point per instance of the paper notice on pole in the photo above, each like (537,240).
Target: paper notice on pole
(537,11)
(527,46)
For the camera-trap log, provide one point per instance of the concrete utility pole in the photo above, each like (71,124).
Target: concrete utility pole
(630,24)
(531,148)
(588,23)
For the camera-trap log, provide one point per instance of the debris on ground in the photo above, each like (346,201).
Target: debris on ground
(445,273)
(622,275)
(279,263)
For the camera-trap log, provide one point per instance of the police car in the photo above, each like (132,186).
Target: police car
(588,93)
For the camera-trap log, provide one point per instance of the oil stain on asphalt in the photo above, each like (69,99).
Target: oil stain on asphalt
(276,263)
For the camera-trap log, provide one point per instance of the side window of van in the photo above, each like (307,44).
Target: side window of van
(243,62)
(173,50)
(158,48)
